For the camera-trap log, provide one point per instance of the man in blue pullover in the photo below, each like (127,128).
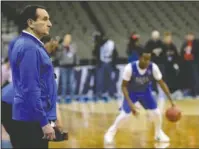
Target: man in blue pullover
(8,94)
(33,80)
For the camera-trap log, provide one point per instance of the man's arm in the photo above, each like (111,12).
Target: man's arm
(165,88)
(158,77)
(126,78)
(30,78)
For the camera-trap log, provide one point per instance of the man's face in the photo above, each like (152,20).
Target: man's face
(42,24)
(67,40)
(190,37)
(145,60)
(168,39)
(155,35)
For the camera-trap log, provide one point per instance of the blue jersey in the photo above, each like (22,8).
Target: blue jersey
(141,83)
(8,94)
(140,88)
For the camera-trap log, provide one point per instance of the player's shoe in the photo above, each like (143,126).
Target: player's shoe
(162,137)
(109,136)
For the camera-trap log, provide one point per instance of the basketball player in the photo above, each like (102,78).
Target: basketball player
(136,87)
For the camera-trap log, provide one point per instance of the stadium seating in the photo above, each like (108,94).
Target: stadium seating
(143,17)
(118,20)
(8,31)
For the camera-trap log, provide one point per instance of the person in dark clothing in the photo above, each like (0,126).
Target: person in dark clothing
(53,55)
(196,46)
(98,41)
(134,48)
(189,65)
(171,62)
(106,55)
(155,47)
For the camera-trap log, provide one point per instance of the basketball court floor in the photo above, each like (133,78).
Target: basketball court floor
(87,123)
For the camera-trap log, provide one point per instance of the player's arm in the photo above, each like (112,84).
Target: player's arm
(158,77)
(125,92)
(166,90)
(126,78)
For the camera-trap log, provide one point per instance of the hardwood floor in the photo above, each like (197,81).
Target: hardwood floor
(88,122)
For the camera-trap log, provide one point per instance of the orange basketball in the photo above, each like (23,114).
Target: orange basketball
(173,114)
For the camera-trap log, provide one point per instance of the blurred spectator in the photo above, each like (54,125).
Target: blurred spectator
(6,75)
(52,44)
(98,42)
(134,48)
(171,62)
(57,42)
(67,60)
(197,52)
(189,65)
(106,54)
(197,65)
(155,47)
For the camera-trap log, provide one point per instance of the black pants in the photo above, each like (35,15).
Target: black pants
(7,121)
(29,135)
(171,77)
(189,74)
(22,134)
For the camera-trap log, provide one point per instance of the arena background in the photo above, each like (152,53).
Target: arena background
(115,21)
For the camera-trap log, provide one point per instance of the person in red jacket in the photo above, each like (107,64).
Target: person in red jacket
(189,65)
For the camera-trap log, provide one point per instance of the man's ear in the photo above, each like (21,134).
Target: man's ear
(30,23)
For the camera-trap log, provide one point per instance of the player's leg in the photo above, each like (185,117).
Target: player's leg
(155,116)
(110,134)
(124,114)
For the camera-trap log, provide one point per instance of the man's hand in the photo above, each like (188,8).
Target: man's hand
(134,110)
(49,132)
(59,125)
(173,104)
